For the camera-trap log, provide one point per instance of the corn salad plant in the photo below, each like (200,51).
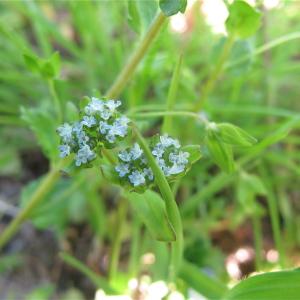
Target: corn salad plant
(174,151)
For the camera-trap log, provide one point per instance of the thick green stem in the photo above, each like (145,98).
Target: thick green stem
(171,206)
(56,102)
(36,198)
(132,63)
(117,238)
(211,81)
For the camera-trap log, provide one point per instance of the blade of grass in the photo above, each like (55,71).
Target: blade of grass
(98,281)
(132,63)
(167,122)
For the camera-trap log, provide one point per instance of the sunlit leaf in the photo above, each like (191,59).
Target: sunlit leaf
(243,20)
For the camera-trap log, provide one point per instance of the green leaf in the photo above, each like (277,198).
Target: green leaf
(44,127)
(151,209)
(47,70)
(172,7)
(243,20)
(55,62)
(141,14)
(220,152)
(254,184)
(235,136)
(32,62)
(194,151)
(64,203)
(274,285)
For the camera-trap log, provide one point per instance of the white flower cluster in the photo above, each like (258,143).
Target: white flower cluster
(102,125)
(134,166)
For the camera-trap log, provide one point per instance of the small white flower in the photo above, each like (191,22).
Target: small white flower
(65,132)
(124,156)
(104,127)
(137,178)
(175,169)
(118,129)
(180,158)
(64,150)
(82,138)
(122,169)
(84,155)
(105,114)
(148,173)
(136,151)
(167,141)
(158,150)
(88,121)
(112,105)
(111,138)
(94,107)
(77,128)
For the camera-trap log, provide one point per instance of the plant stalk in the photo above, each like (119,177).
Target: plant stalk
(117,238)
(56,101)
(133,61)
(211,81)
(38,195)
(171,206)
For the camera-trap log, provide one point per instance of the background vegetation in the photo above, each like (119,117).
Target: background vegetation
(66,234)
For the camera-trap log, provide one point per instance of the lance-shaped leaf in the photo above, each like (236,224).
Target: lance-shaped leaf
(150,208)
(274,285)
(235,136)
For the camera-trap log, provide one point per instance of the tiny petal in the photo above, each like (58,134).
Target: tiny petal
(176,169)
(136,151)
(65,132)
(111,138)
(122,169)
(64,150)
(167,141)
(158,150)
(112,105)
(84,155)
(104,127)
(124,156)
(180,158)
(94,107)
(137,178)
(88,121)
(148,173)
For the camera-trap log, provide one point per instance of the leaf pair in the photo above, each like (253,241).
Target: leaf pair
(47,68)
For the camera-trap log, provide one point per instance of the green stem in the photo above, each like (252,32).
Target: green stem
(167,124)
(257,230)
(117,238)
(56,101)
(210,83)
(171,206)
(36,198)
(132,63)
(95,278)
(274,215)
(134,247)
(202,283)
